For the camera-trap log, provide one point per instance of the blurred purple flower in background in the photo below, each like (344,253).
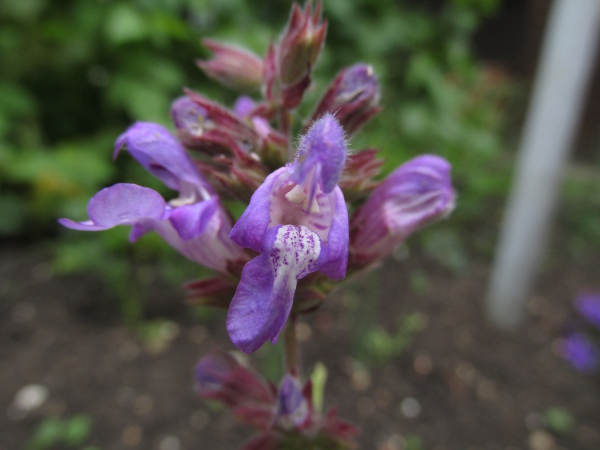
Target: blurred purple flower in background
(588,306)
(580,352)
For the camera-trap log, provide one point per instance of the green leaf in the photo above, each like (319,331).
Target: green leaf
(12,218)
(125,24)
(560,420)
(47,434)
(77,429)
(318,379)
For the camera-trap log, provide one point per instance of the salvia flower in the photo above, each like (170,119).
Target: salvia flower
(234,67)
(583,355)
(588,306)
(297,220)
(353,97)
(194,223)
(415,194)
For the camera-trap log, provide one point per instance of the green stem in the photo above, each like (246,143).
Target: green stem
(292,360)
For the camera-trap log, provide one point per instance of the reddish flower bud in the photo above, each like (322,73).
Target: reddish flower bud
(234,67)
(288,65)
(353,97)
(219,376)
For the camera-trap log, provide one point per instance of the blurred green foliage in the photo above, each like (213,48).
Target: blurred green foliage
(75,74)
(70,432)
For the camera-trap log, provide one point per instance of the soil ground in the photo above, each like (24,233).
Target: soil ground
(461,384)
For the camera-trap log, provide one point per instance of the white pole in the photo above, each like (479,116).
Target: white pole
(568,52)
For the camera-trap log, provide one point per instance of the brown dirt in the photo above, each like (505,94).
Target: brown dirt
(475,387)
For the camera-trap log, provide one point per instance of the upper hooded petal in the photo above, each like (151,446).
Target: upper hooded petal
(264,296)
(161,154)
(121,204)
(322,149)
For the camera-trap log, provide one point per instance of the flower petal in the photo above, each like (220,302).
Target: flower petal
(322,148)
(191,221)
(121,204)
(264,297)
(334,260)
(249,230)
(161,154)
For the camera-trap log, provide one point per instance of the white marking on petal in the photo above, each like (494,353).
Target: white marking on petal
(294,254)
(296,195)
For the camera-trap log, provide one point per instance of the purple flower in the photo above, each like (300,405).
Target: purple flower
(581,353)
(195,223)
(415,194)
(293,410)
(588,305)
(297,220)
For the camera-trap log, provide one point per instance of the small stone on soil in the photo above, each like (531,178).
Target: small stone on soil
(541,440)
(132,436)
(423,364)
(169,443)
(27,399)
(410,408)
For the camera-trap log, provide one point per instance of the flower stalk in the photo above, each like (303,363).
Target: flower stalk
(292,358)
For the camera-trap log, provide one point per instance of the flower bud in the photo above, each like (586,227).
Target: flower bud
(220,377)
(289,64)
(233,66)
(353,97)
(415,194)
(205,126)
(301,43)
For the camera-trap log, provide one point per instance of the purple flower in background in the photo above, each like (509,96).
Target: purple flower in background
(195,223)
(581,353)
(415,194)
(293,410)
(297,220)
(588,306)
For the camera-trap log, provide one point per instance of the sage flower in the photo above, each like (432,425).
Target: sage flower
(298,223)
(415,194)
(194,223)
